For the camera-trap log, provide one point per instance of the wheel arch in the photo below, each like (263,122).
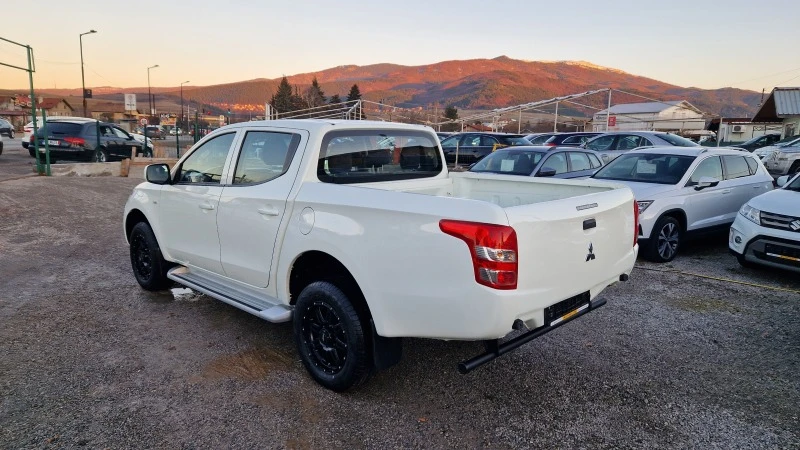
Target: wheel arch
(678,214)
(134,216)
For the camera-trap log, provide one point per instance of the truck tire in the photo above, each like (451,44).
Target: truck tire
(100,155)
(665,240)
(330,337)
(147,262)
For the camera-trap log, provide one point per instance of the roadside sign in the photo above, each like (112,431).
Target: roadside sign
(612,121)
(130,102)
(143,121)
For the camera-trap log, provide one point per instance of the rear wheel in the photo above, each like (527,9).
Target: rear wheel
(149,266)
(664,240)
(330,337)
(100,155)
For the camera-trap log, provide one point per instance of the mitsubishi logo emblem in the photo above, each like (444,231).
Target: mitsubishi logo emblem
(590,256)
(795,225)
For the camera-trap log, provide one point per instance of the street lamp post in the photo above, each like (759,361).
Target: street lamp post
(83,81)
(149,94)
(181,116)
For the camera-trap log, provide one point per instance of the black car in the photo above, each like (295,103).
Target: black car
(758,142)
(539,161)
(78,140)
(471,147)
(6,129)
(570,139)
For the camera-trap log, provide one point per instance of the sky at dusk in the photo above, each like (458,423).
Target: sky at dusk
(743,44)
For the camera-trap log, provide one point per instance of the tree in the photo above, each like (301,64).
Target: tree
(314,96)
(354,95)
(334,99)
(281,101)
(451,113)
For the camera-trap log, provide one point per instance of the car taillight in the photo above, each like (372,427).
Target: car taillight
(493,249)
(75,141)
(550,144)
(635,222)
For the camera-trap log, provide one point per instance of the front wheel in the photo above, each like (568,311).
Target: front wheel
(664,241)
(330,337)
(149,266)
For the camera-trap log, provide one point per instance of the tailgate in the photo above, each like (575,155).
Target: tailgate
(569,246)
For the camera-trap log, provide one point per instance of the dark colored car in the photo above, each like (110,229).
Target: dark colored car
(444,134)
(570,139)
(78,140)
(6,129)
(758,142)
(538,161)
(471,147)
(154,132)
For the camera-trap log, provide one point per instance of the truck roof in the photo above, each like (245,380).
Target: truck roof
(314,125)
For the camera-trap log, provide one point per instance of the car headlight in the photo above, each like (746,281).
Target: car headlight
(643,205)
(751,214)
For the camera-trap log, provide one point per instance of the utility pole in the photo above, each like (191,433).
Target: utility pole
(83,80)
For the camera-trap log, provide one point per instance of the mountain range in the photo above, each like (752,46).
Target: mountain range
(466,84)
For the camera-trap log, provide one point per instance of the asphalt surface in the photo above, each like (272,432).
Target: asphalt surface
(88,359)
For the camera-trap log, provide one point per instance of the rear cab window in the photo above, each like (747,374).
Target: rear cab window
(369,156)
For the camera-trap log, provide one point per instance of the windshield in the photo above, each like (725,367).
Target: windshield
(510,162)
(514,140)
(646,168)
(677,140)
(794,185)
(541,139)
(794,143)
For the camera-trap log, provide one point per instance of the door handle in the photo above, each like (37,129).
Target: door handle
(726,191)
(206,206)
(268,211)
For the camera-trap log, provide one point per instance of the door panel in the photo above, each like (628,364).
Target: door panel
(709,206)
(254,205)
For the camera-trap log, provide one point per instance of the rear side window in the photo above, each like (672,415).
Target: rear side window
(579,161)
(752,165)
(354,156)
(265,156)
(735,167)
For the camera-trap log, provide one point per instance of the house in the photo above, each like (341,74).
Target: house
(679,116)
(733,130)
(53,106)
(782,105)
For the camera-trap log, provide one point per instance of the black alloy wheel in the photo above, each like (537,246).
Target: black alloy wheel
(149,266)
(330,337)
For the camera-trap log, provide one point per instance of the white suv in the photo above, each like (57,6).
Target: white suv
(767,229)
(685,191)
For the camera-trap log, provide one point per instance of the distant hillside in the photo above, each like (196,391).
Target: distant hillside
(470,84)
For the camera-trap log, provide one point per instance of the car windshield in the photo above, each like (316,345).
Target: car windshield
(510,162)
(794,185)
(794,143)
(514,140)
(61,128)
(646,168)
(677,140)
(541,139)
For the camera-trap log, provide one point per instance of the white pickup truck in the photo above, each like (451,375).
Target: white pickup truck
(357,233)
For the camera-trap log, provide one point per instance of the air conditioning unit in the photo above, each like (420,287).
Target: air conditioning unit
(738,129)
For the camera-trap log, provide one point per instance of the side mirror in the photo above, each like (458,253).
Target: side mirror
(706,182)
(546,172)
(157,173)
(782,181)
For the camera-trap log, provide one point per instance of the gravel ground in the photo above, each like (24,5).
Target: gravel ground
(90,360)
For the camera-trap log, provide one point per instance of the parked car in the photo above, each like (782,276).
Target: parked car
(1,144)
(154,132)
(6,129)
(77,139)
(140,138)
(27,130)
(471,147)
(570,139)
(784,159)
(291,220)
(767,229)
(612,144)
(442,135)
(683,192)
(760,141)
(764,152)
(556,162)
(539,138)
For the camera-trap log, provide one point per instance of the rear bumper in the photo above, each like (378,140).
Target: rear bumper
(79,154)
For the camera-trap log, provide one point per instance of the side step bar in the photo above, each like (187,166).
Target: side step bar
(274,314)
(494,349)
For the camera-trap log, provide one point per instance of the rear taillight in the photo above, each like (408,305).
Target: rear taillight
(550,144)
(75,141)
(635,222)
(493,249)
